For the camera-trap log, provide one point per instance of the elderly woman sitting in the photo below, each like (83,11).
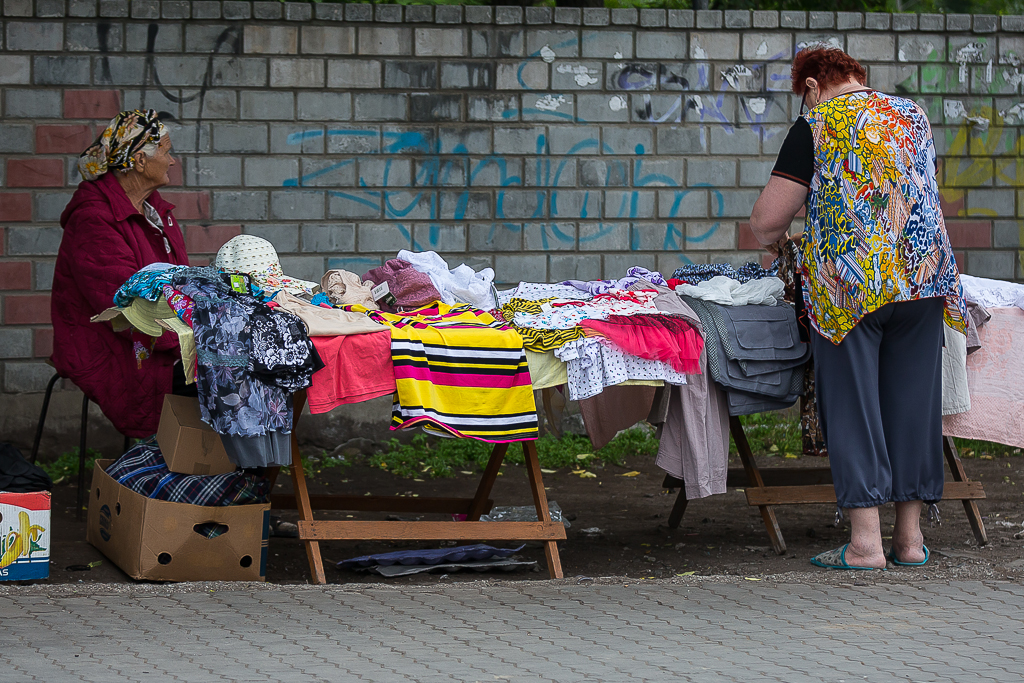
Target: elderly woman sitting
(115,224)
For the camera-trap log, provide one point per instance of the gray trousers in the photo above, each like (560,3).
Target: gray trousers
(880,403)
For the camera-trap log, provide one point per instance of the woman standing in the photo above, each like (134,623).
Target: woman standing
(878,279)
(115,224)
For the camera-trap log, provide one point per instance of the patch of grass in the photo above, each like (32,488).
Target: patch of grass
(65,467)
(972,448)
(775,433)
(422,458)
(771,434)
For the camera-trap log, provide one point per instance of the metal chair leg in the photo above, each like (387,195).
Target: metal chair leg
(42,417)
(81,458)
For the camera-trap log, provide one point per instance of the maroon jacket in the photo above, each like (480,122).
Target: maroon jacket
(106,241)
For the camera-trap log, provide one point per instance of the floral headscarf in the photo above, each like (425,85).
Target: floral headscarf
(127,133)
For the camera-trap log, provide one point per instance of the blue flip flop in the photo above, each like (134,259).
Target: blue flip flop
(892,558)
(836,559)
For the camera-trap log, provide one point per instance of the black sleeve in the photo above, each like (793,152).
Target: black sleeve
(796,158)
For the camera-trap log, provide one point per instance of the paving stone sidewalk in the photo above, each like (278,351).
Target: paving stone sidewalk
(516,631)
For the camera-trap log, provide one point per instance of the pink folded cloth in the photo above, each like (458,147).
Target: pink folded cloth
(410,287)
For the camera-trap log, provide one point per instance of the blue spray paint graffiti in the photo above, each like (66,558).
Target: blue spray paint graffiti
(542,200)
(418,200)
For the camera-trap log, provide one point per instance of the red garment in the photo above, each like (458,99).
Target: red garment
(654,337)
(357,367)
(105,242)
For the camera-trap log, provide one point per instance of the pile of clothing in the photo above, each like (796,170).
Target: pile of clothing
(251,336)
(143,470)
(458,372)
(454,369)
(604,333)
(683,353)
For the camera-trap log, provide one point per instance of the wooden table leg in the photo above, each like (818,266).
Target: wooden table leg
(754,480)
(483,490)
(316,563)
(549,411)
(540,500)
(675,517)
(956,467)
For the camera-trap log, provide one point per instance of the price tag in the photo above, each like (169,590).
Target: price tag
(238,284)
(382,292)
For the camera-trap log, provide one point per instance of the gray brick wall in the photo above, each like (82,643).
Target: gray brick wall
(544,143)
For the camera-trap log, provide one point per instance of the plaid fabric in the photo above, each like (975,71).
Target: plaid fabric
(143,470)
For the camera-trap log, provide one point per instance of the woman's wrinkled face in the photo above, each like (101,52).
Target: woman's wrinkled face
(155,168)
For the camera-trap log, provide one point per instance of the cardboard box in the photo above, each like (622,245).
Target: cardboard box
(158,541)
(24,536)
(188,444)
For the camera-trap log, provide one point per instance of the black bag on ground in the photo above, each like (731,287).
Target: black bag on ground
(18,475)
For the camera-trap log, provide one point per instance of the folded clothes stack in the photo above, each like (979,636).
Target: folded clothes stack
(754,353)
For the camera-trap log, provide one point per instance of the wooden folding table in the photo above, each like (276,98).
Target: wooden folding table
(311,531)
(794,486)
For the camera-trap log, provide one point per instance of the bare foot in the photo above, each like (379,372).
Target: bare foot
(908,550)
(868,558)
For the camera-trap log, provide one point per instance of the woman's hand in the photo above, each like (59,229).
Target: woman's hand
(775,248)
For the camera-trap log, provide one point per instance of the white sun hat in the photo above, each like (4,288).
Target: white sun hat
(257,258)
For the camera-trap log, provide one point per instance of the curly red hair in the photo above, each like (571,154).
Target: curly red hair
(827,65)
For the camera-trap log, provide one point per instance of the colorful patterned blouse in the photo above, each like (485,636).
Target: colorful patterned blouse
(874,232)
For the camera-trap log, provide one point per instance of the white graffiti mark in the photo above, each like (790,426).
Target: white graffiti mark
(581,73)
(698,104)
(733,72)
(699,53)
(1014,78)
(550,102)
(902,56)
(971,53)
(954,109)
(617,103)
(1014,112)
(762,49)
(617,55)
(547,54)
(757,105)
(832,42)
(988,72)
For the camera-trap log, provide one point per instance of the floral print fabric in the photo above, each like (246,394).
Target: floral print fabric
(249,359)
(700,272)
(874,232)
(148,284)
(127,133)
